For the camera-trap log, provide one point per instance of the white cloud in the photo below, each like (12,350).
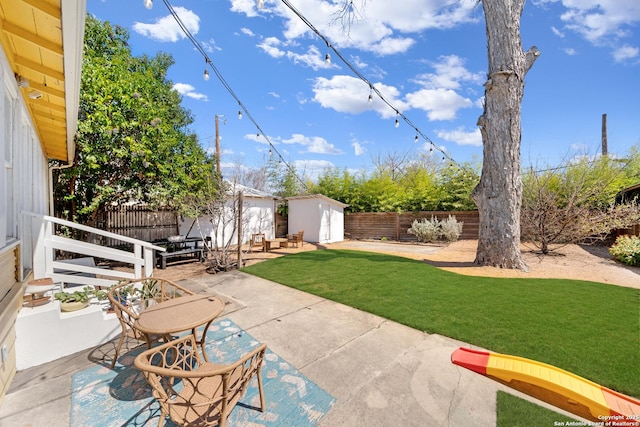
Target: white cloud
(382,27)
(247,32)
(312,58)
(187,90)
(440,104)
(313,144)
(248,7)
(449,74)
(210,45)
(347,94)
(625,52)
(461,136)
(570,51)
(166,29)
(557,32)
(271,46)
(598,21)
(358,148)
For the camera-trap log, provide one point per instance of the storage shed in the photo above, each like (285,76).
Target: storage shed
(321,218)
(259,210)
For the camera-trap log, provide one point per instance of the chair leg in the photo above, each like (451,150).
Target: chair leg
(261,391)
(118,348)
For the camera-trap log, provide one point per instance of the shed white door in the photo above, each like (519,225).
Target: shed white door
(325,222)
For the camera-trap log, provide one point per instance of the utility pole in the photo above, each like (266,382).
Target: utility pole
(604,135)
(217,147)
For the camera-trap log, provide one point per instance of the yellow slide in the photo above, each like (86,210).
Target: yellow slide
(553,385)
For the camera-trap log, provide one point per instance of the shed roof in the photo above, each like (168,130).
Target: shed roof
(250,192)
(318,196)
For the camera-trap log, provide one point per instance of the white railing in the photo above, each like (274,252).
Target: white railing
(45,242)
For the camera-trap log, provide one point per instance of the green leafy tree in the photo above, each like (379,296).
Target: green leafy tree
(133,142)
(456,186)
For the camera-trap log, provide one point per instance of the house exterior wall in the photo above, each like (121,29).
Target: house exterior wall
(24,185)
(258,217)
(321,219)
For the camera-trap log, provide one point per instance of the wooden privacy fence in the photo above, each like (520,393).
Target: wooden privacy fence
(394,226)
(139,222)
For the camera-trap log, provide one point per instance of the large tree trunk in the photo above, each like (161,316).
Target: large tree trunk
(499,192)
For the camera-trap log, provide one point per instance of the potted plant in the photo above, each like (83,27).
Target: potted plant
(77,300)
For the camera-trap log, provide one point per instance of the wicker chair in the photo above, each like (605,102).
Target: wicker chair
(294,239)
(193,392)
(128,298)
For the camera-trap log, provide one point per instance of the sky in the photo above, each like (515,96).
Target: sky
(426,61)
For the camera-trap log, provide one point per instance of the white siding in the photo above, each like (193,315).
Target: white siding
(258,217)
(321,219)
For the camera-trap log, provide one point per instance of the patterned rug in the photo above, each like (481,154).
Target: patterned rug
(121,397)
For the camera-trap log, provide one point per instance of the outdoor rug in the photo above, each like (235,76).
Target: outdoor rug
(121,397)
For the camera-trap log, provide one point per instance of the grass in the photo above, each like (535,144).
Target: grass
(590,329)
(516,412)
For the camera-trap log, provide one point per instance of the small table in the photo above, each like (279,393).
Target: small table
(269,244)
(180,314)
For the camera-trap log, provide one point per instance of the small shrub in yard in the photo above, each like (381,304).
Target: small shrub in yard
(426,230)
(626,249)
(450,228)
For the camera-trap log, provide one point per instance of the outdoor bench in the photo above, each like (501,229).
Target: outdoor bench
(163,257)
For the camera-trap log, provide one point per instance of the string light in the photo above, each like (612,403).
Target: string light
(148,3)
(327,59)
(416,138)
(239,115)
(206,75)
(364,79)
(370,100)
(229,89)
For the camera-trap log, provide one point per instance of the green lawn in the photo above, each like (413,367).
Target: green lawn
(516,412)
(590,329)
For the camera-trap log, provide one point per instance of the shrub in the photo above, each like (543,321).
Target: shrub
(427,230)
(626,249)
(450,228)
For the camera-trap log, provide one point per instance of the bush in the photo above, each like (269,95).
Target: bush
(426,231)
(626,249)
(431,230)
(450,228)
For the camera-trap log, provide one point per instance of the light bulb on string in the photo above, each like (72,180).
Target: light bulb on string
(206,75)
(327,59)
(239,115)
(397,124)
(148,3)
(370,100)
(416,138)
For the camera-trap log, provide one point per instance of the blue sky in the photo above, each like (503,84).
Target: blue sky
(426,57)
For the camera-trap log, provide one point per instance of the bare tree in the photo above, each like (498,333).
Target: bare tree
(499,192)
(565,205)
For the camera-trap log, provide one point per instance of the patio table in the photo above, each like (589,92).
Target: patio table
(270,243)
(178,315)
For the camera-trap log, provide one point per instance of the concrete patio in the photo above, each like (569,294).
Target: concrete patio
(381,373)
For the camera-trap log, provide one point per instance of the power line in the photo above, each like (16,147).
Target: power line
(372,88)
